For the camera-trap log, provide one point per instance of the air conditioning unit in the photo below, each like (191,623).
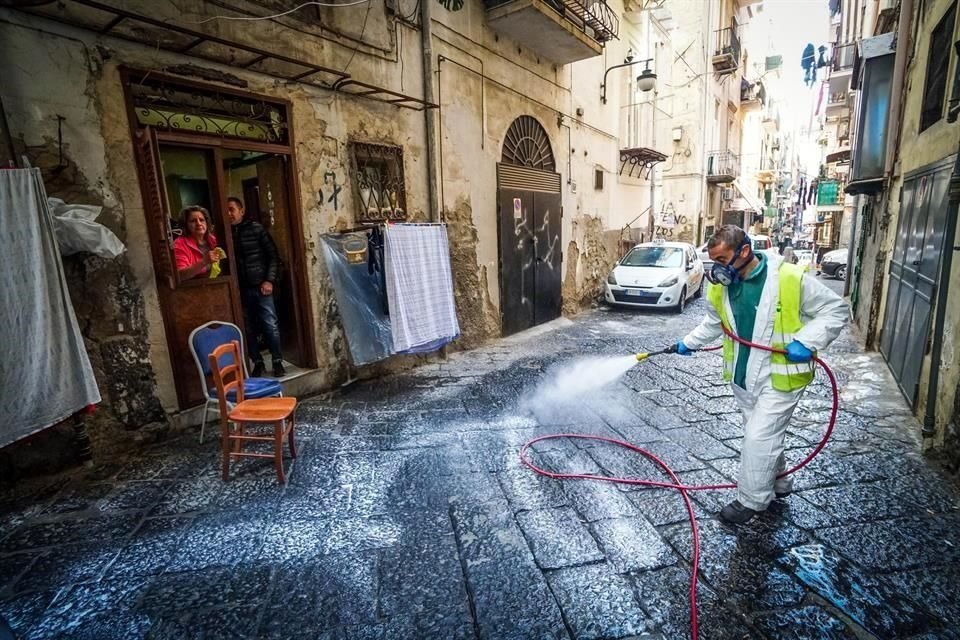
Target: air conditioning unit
(727,194)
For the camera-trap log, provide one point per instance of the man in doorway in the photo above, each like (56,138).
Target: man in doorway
(767,301)
(258,267)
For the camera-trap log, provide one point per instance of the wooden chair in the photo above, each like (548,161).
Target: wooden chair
(226,366)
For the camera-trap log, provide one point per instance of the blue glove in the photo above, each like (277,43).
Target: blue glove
(796,352)
(683,349)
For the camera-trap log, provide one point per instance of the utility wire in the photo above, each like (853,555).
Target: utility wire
(279,15)
(363,30)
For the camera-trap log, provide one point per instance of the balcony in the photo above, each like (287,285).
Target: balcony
(766,176)
(563,31)
(726,56)
(836,103)
(843,57)
(722,167)
(752,96)
(770,121)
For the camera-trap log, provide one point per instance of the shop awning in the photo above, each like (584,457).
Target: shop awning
(745,201)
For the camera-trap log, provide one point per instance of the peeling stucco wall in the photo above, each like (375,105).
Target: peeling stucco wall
(479,320)
(591,254)
(117,302)
(108,298)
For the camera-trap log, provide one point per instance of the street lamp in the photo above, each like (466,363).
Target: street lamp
(646,81)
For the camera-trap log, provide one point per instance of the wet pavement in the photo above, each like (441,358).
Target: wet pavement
(408,515)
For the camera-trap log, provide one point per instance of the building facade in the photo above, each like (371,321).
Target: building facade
(451,115)
(904,172)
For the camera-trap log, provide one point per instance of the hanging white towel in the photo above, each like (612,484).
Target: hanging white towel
(423,315)
(46,375)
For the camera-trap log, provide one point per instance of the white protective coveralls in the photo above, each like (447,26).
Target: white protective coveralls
(767,411)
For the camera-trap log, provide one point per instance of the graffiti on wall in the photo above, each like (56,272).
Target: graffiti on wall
(331,177)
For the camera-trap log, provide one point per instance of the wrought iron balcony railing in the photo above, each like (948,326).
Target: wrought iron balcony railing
(595,18)
(728,43)
(722,166)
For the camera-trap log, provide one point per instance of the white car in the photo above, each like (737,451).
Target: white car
(760,243)
(804,257)
(656,274)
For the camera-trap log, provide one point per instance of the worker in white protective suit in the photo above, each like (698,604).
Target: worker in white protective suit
(767,301)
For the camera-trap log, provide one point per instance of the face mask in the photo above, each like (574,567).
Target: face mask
(728,274)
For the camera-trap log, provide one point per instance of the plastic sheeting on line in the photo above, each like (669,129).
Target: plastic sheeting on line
(76,230)
(360,297)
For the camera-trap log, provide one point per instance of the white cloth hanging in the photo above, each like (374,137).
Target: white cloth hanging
(423,315)
(77,230)
(45,374)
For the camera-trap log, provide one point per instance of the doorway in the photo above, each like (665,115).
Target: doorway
(914,273)
(236,145)
(258,179)
(529,219)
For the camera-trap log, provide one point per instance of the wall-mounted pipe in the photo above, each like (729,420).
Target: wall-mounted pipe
(430,117)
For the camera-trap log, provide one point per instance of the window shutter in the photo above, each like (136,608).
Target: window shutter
(155,205)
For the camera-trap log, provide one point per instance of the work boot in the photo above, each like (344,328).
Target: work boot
(278,370)
(257,370)
(736,513)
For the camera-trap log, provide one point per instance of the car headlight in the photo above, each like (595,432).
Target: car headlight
(669,282)
(611,279)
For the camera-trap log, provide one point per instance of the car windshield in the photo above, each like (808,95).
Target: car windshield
(654,257)
(759,245)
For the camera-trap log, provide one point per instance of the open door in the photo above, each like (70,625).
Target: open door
(171,177)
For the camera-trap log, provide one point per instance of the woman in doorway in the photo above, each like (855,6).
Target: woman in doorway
(196,251)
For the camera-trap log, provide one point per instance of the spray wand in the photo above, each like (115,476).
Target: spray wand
(671,349)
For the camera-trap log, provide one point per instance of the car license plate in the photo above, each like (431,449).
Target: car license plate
(634,292)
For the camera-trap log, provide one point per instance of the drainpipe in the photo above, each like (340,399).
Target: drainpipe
(896,90)
(653,170)
(704,197)
(852,250)
(946,261)
(430,115)
(652,175)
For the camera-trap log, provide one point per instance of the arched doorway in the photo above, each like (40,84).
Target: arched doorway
(529,212)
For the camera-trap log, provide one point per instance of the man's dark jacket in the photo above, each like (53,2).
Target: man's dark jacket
(257,259)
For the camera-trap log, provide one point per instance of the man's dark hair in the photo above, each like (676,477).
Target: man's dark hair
(730,235)
(235,200)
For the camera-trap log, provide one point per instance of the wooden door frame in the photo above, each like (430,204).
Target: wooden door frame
(297,266)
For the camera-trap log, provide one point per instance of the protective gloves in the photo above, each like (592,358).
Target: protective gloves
(796,352)
(680,349)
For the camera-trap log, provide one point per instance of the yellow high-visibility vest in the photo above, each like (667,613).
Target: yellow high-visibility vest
(784,375)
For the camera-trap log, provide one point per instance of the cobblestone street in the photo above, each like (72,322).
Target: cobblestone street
(408,515)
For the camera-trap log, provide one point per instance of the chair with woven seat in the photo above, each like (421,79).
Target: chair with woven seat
(228,376)
(203,340)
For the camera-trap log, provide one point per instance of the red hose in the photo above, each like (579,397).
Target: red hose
(682,488)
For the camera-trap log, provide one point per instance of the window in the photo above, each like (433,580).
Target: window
(869,152)
(938,61)
(598,179)
(670,257)
(380,191)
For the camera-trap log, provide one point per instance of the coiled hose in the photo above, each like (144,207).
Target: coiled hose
(675,484)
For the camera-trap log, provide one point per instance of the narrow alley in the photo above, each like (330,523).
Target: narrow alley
(409,515)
